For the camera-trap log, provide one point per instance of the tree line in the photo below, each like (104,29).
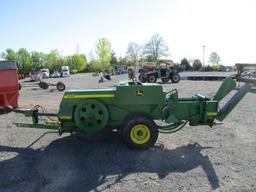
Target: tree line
(155,48)
(196,64)
(103,58)
(33,61)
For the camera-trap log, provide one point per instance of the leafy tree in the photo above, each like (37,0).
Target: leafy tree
(197,65)
(124,61)
(42,59)
(53,61)
(35,56)
(78,61)
(113,58)
(156,47)
(150,58)
(214,58)
(95,65)
(133,52)
(191,61)
(184,62)
(9,55)
(36,60)
(24,61)
(207,68)
(103,50)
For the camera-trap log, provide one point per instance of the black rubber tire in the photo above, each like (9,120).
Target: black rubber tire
(60,86)
(175,78)
(152,78)
(43,85)
(140,120)
(165,79)
(142,78)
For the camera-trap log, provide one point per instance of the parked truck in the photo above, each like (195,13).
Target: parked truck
(65,71)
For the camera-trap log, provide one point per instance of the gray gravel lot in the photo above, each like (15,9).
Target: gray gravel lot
(222,158)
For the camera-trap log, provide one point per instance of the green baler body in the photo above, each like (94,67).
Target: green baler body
(131,107)
(92,110)
(127,99)
(120,101)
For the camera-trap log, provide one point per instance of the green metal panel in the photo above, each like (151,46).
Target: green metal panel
(230,105)
(120,101)
(183,110)
(72,98)
(147,94)
(228,85)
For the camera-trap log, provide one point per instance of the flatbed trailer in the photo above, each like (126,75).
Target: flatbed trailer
(206,77)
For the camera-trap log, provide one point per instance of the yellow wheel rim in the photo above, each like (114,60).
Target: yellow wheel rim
(140,134)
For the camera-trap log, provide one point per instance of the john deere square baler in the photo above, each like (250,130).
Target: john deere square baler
(133,108)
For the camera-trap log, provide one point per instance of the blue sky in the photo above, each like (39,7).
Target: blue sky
(226,27)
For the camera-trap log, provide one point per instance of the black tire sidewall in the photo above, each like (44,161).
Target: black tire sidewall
(152,81)
(135,120)
(59,86)
(142,78)
(174,80)
(43,85)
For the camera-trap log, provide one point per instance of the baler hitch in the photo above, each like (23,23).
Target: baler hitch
(35,114)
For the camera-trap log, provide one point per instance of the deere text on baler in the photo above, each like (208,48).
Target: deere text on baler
(132,108)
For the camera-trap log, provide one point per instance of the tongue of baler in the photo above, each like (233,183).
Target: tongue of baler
(227,86)
(200,110)
(230,105)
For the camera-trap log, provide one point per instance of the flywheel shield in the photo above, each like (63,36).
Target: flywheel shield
(91,116)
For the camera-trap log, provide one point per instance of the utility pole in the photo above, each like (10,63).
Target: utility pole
(203,54)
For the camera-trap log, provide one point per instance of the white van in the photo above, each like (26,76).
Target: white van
(45,73)
(65,71)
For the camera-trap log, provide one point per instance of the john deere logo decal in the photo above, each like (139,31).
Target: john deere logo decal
(139,92)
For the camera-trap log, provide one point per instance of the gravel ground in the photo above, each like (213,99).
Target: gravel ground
(200,158)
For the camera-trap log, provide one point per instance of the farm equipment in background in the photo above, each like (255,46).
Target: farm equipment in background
(9,85)
(43,85)
(164,69)
(132,108)
(59,85)
(246,73)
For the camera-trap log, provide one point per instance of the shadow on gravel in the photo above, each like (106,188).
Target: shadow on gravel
(77,164)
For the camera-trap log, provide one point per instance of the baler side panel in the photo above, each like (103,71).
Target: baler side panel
(139,95)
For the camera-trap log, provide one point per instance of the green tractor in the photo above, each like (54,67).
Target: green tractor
(165,70)
(138,111)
